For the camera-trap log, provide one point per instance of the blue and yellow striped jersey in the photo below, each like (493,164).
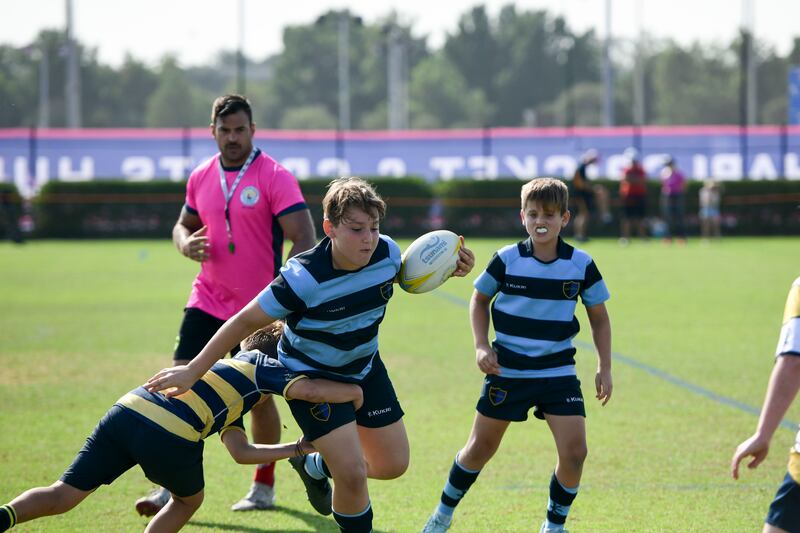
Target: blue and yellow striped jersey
(533,311)
(789,341)
(332,316)
(217,401)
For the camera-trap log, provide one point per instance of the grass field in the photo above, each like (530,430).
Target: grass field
(694,331)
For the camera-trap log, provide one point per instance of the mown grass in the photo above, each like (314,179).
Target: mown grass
(694,331)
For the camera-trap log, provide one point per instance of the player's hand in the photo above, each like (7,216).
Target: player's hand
(756,446)
(171,381)
(196,246)
(603,385)
(487,361)
(466,260)
(304,447)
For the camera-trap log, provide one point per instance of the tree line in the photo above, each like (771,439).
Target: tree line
(520,68)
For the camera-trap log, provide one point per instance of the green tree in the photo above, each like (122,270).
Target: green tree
(440,97)
(176,103)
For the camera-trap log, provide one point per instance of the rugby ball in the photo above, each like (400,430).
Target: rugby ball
(429,261)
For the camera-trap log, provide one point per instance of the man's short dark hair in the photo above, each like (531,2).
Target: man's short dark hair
(228,105)
(265,340)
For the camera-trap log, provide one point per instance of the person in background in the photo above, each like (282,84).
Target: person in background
(633,194)
(784,512)
(710,214)
(673,201)
(240,205)
(586,196)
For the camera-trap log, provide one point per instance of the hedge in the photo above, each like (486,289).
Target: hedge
(120,209)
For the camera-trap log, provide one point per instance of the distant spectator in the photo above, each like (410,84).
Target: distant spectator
(585,195)
(9,216)
(633,194)
(673,200)
(710,215)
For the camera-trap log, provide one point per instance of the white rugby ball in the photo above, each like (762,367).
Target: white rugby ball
(429,261)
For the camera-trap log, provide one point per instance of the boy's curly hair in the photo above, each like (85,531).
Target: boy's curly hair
(265,340)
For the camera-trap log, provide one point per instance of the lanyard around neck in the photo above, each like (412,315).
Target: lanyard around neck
(228,194)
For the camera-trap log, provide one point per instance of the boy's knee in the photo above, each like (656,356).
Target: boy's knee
(351,477)
(576,453)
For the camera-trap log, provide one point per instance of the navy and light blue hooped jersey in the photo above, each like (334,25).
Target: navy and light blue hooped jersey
(218,400)
(534,311)
(332,316)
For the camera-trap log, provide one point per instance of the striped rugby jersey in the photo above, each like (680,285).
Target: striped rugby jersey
(217,401)
(533,313)
(332,316)
(789,343)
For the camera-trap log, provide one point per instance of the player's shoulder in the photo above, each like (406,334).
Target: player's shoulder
(392,246)
(512,252)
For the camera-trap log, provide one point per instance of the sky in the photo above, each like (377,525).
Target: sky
(196,30)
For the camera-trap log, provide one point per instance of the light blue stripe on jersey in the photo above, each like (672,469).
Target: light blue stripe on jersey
(535,308)
(269,304)
(486,284)
(596,294)
(324,353)
(529,347)
(314,294)
(352,323)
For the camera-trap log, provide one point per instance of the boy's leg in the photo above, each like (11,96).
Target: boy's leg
(34,503)
(569,433)
(485,438)
(386,450)
(174,515)
(344,459)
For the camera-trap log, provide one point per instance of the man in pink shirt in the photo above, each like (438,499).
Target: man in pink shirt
(240,204)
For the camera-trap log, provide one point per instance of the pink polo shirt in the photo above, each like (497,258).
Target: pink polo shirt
(228,281)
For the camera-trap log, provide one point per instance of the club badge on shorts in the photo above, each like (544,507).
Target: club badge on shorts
(249,196)
(321,411)
(497,395)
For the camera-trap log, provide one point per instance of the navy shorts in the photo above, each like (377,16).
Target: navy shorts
(380,408)
(196,330)
(511,399)
(784,511)
(122,440)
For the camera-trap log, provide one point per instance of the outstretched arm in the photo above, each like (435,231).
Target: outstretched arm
(601,335)
(243,452)
(784,382)
(179,379)
(324,390)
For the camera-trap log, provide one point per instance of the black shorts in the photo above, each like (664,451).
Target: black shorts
(511,399)
(380,408)
(122,440)
(634,207)
(196,330)
(784,511)
(588,199)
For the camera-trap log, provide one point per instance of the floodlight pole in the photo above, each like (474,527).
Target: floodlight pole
(344,69)
(73,86)
(44,88)
(241,78)
(608,74)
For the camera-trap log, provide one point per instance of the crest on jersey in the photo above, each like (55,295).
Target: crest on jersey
(497,395)
(387,289)
(321,411)
(571,288)
(249,196)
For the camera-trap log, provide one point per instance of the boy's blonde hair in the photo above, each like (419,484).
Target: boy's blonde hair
(265,340)
(346,193)
(549,191)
